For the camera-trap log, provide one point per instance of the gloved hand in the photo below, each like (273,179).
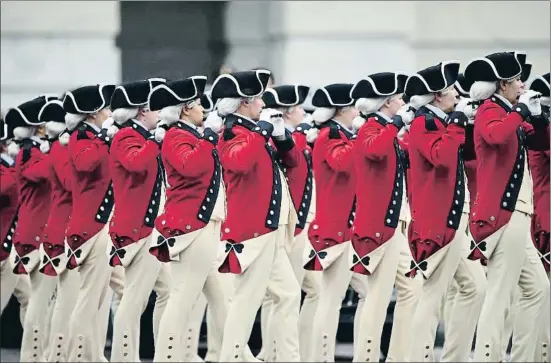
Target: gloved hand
(406,114)
(532,100)
(466,106)
(107,123)
(214,122)
(210,136)
(276,119)
(308,119)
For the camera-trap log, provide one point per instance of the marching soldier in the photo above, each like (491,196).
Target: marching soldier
(138,183)
(189,228)
(500,219)
(377,243)
(288,99)
(32,168)
(437,231)
(329,233)
(258,232)
(407,289)
(539,168)
(10,283)
(93,201)
(52,251)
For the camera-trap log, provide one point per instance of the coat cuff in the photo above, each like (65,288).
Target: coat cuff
(458,118)
(523,110)
(265,129)
(102,135)
(284,143)
(304,127)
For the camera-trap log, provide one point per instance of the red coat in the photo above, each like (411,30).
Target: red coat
(500,152)
(93,198)
(8,207)
(300,178)
(61,205)
(194,175)
(137,179)
(437,178)
(379,188)
(335,180)
(33,172)
(251,167)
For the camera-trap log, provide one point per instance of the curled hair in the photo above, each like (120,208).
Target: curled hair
(482,90)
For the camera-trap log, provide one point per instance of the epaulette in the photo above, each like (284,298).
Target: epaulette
(82,135)
(228,133)
(334,131)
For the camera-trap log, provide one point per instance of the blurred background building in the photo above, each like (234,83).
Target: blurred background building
(52,46)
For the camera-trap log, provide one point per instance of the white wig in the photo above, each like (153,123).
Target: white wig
(121,115)
(323,114)
(73,119)
(420,101)
(227,106)
(370,105)
(20,133)
(171,114)
(482,90)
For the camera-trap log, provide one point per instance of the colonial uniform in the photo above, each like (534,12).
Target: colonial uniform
(500,219)
(87,231)
(302,188)
(437,231)
(329,233)
(376,239)
(32,168)
(407,289)
(258,232)
(10,283)
(138,182)
(539,160)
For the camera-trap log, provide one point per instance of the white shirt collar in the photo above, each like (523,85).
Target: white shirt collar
(344,127)
(92,126)
(245,117)
(506,101)
(190,124)
(437,111)
(385,117)
(7,158)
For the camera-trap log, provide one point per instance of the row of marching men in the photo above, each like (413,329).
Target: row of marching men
(229,210)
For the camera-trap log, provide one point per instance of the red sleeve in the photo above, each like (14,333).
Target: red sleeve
(494,128)
(61,167)
(88,153)
(134,155)
(338,154)
(8,183)
(186,154)
(438,147)
(37,168)
(375,142)
(240,154)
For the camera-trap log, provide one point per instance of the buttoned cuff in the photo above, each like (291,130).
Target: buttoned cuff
(284,142)
(458,118)
(523,110)
(304,127)
(264,128)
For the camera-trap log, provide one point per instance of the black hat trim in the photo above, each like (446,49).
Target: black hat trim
(238,88)
(374,86)
(103,100)
(526,70)
(462,92)
(182,100)
(538,87)
(125,94)
(442,69)
(153,80)
(57,102)
(279,103)
(204,99)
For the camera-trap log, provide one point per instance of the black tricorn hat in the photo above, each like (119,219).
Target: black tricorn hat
(377,85)
(26,114)
(134,94)
(88,99)
(333,95)
(495,67)
(6,132)
(285,96)
(52,111)
(206,102)
(462,85)
(176,92)
(541,84)
(240,84)
(433,79)
(526,66)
